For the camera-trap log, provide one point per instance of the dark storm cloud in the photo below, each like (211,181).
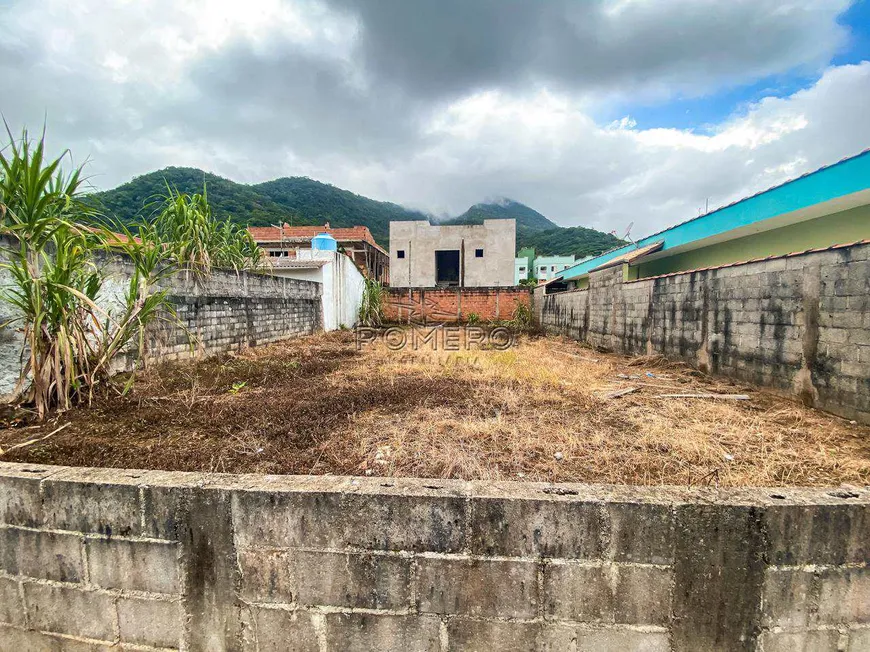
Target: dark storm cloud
(437,104)
(275,94)
(452,47)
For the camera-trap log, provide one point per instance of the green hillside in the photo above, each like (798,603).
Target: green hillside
(564,241)
(296,200)
(535,230)
(319,202)
(301,201)
(528,219)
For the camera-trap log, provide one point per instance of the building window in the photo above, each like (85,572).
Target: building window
(400,253)
(478,253)
(552,268)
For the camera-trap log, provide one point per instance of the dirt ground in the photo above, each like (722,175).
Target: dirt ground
(538,411)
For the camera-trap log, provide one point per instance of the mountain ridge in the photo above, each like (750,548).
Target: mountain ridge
(303,201)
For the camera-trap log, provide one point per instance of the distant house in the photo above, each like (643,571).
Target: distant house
(285,242)
(549,267)
(427,255)
(523,265)
(341,281)
(828,207)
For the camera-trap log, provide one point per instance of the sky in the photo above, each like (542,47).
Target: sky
(600,113)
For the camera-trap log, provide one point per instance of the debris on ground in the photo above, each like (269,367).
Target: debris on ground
(317,405)
(733,397)
(620,392)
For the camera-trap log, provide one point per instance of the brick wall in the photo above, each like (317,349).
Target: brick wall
(97,557)
(798,324)
(438,305)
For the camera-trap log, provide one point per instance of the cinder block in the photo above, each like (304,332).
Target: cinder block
(337,520)
(539,528)
(136,565)
(859,640)
(30,641)
(325,578)
(150,622)
(643,595)
(641,533)
(786,598)
(11,608)
(367,633)
(813,641)
(20,503)
(91,507)
(562,638)
(485,636)
(579,592)
(818,534)
(70,611)
(477,587)
(279,630)
(43,555)
(844,596)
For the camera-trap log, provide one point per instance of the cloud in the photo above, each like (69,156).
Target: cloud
(439,105)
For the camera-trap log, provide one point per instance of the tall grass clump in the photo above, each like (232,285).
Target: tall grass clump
(55,279)
(371,310)
(198,241)
(522,317)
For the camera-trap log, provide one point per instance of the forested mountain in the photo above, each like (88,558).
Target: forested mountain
(301,201)
(316,203)
(295,200)
(565,241)
(528,219)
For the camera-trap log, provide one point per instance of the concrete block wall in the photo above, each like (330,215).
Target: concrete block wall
(797,324)
(100,559)
(229,312)
(451,305)
(222,312)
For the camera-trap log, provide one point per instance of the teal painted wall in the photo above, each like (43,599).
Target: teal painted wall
(839,228)
(844,178)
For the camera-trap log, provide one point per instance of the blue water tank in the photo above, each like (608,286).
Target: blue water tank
(324,242)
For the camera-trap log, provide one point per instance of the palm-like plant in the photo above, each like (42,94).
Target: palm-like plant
(200,242)
(70,341)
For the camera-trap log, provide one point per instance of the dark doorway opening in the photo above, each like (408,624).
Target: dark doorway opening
(447,267)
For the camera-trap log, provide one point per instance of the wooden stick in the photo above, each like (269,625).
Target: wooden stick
(646,384)
(621,392)
(733,397)
(33,441)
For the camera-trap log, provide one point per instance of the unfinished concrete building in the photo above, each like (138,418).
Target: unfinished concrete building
(475,255)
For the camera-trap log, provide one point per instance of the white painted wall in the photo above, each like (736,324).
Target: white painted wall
(342,285)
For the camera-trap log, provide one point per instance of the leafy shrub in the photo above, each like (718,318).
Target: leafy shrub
(371,310)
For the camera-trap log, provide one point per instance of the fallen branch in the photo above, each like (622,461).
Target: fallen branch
(620,392)
(647,384)
(733,397)
(33,441)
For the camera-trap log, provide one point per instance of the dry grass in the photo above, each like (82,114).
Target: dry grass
(534,412)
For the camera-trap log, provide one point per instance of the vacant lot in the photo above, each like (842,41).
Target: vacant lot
(539,411)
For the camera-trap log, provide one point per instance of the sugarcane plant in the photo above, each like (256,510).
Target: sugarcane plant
(50,254)
(371,310)
(198,241)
